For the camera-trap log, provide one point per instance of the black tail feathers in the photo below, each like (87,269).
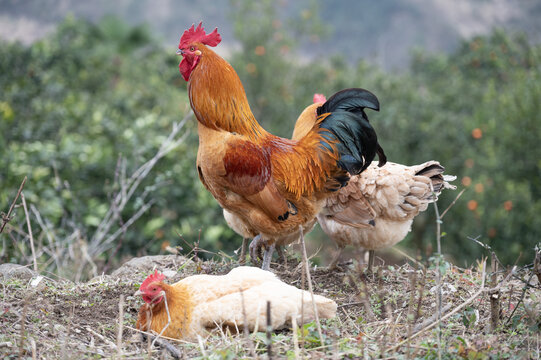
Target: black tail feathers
(347,121)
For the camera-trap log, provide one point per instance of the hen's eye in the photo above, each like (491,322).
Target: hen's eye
(192,48)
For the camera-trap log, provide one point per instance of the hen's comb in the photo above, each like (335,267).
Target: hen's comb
(156,277)
(319,98)
(198,35)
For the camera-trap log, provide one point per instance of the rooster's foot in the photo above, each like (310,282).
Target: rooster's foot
(258,245)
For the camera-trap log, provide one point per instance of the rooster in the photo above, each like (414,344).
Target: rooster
(273,184)
(237,300)
(304,123)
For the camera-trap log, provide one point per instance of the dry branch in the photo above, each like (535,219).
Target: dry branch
(7,217)
(454,311)
(101,240)
(30,232)
(308,277)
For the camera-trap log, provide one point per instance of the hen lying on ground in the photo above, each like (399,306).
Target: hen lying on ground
(202,302)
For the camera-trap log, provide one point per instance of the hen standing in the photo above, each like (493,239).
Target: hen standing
(376,209)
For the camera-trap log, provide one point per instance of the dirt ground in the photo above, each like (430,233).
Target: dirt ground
(391,313)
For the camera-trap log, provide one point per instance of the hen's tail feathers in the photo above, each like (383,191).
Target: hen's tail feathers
(325,307)
(434,171)
(348,126)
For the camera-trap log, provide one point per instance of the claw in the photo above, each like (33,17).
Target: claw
(259,246)
(255,247)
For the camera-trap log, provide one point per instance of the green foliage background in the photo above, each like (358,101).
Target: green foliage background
(73,102)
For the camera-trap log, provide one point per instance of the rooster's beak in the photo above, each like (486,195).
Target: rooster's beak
(180,52)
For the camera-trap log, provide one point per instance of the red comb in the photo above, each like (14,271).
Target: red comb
(198,35)
(319,98)
(156,277)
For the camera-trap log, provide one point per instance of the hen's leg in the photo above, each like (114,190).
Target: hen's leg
(267,256)
(242,256)
(281,255)
(335,259)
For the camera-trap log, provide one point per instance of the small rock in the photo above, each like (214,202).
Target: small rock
(35,282)
(445,289)
(59,328)
(169,273)
(16,271)
(146,264)
(17,326)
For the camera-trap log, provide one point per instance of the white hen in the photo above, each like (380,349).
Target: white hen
(376,209)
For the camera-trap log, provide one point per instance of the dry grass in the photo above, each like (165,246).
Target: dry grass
(377,316)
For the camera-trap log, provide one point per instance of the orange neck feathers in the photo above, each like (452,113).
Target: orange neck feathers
(218,98)
(154,317)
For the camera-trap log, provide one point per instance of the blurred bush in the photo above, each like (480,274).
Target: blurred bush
(73,102)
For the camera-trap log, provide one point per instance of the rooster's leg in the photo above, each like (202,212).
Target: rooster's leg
(267,256)
(255,248)
(335,259)
(242,256)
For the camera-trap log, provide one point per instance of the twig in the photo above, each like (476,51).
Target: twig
(23,321)
(494,295)
(402,253)
(454,311)
(161,342)
(7,217)
(246,331)
(524,289)
(413,282)
(34,349)
(351,304)
(124,227)
(47,233)
(107,341)
(430,320)
(420,300)
(201,345)
(120,323)
(295,337)
(438,274)
(452,204)
(168,317)
(308,277)
(363,295)
(129,186)
(29,232)
(269,330)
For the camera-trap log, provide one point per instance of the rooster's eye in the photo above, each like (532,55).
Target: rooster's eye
(192,48)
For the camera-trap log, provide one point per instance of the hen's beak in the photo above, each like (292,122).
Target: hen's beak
(138,293)
(180,52)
